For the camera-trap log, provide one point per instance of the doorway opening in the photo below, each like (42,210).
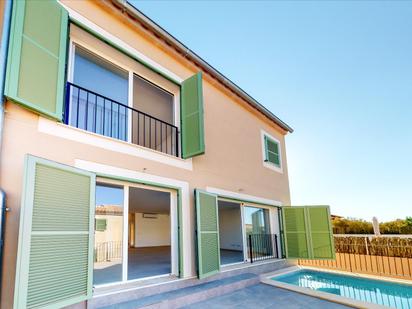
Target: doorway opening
(230,232)
(149,240)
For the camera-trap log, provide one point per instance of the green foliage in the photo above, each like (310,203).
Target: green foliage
(358,226)
(351,226)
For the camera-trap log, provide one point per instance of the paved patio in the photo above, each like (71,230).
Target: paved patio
(265,296)
(142,262)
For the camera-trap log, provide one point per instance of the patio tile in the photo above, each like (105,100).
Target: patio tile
(264,296)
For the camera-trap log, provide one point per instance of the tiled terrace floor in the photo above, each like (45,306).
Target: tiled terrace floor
(265,296)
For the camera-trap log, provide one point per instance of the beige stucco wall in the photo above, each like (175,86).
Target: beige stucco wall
(233,158)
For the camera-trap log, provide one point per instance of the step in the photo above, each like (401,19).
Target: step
(128,291)
(189,295)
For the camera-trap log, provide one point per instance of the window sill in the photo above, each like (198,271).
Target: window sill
(273,167)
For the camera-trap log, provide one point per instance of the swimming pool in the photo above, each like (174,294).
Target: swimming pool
(379,292)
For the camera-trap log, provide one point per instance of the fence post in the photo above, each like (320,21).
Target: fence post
(250,249)
(366,246)
(276,246)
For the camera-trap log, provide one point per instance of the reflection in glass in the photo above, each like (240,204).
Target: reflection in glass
(257,232)
(108,234)
(256,220)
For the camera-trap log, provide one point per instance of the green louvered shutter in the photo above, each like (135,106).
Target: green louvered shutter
(272,151)
(321,232)
(295,232)
(193,140)
(55,251)
(207,232)
(37,56)
(307,232)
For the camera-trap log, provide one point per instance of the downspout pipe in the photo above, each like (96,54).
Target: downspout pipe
(3,65)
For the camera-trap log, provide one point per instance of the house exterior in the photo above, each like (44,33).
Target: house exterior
(119,142)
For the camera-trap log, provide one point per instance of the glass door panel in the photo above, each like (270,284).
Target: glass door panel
(108,234)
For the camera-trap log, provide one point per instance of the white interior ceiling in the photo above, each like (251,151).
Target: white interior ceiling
(149,201)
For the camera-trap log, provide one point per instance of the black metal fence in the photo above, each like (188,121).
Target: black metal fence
(93,112)
(370,255)
(262,247)
(107,251)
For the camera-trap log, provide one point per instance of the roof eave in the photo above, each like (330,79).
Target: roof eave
(192,56)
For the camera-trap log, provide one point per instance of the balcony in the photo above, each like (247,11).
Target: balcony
(90,111)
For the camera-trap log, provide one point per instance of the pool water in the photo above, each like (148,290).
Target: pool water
(385,293)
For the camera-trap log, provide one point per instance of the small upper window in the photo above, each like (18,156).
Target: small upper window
(272,152)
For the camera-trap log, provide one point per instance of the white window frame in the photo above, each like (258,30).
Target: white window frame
(268,164)
(87,47)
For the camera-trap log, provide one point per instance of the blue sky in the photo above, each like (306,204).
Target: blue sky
(340,73)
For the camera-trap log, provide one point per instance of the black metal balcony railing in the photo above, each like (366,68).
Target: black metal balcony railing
(262,247)
(93,112)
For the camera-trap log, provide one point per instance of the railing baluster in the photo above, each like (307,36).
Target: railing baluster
(87,110)
(138,128)
(111,118)
(144,130)
(167,137)
(104,115)
(126,123)
(250,249)
(156,135)
(78,104)
(118,122)
(150,133)
(95,114)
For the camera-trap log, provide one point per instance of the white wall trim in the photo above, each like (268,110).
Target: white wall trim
(125,249)
(86,22)
(268,164)
(50,127)
(167,182)
(243,197)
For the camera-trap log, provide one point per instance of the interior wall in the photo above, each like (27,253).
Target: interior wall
(230,229)
(152,232)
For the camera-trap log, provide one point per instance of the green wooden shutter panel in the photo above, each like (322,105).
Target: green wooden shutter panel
(193,141)
(322,238)
(37,56)
(55,255)
(295,232)
(308,232)
(208,254)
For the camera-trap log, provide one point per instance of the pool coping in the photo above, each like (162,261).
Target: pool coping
(266,279)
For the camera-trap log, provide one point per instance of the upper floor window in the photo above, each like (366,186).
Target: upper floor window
(271,152)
